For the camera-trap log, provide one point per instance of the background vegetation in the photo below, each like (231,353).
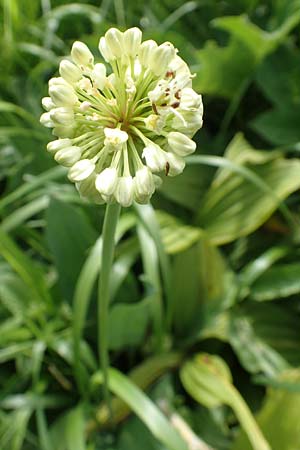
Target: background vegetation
(204,318)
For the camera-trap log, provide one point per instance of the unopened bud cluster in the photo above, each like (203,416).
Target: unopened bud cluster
(120,133)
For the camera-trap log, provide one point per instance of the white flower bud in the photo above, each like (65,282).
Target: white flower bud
(58,144)
(192,121)
(106,181)
(124,193)
(114,42)
(68,156)
(58,81)
(114,136)
(176,164)
(132,41)
(47,103)
(155,157)
(190,99)
(87,190)
(81,170)
(180,144)
(144,183)
(161,57)
(62,95)
(146,52)
(105,51)
(81,54)
(98,76)
(69,71)
(142,199)
(46,120)
(62,116)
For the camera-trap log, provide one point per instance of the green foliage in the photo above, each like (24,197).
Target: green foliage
(281,433)
(211,267)
(235,206)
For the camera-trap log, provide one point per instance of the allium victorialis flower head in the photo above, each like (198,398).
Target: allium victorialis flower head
(120,132)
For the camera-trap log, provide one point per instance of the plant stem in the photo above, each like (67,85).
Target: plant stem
(108,234)
(248,422)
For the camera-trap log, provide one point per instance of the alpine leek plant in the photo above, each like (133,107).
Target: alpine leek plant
(120,130)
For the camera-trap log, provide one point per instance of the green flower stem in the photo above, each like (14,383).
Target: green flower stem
(108,234)
(248,422)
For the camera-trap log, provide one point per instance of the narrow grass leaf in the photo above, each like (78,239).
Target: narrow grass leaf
(30,273)
(144,408)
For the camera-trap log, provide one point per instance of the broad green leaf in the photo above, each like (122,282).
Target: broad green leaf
(68,431)
(120,336)
(75,430)
(277,282)
(223,70)
(258,266)
(208,380)
(279,416)
(134,433)
(201,277)
(279,76)
(176,236)
(234,206)
(279,126)
(190,289)
(279,79)
(265,338)
(69,236)
(187,189)
(212,426)
(144,408)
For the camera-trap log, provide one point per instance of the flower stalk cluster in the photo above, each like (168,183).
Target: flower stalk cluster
(120,133)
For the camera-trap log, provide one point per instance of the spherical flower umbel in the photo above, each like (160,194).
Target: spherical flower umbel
(120,130)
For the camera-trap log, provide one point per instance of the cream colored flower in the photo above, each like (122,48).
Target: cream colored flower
(116,131)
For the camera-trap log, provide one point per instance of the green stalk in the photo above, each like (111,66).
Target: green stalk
(248,422)
(108,234)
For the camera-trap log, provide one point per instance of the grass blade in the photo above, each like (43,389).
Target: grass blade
(144,408)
